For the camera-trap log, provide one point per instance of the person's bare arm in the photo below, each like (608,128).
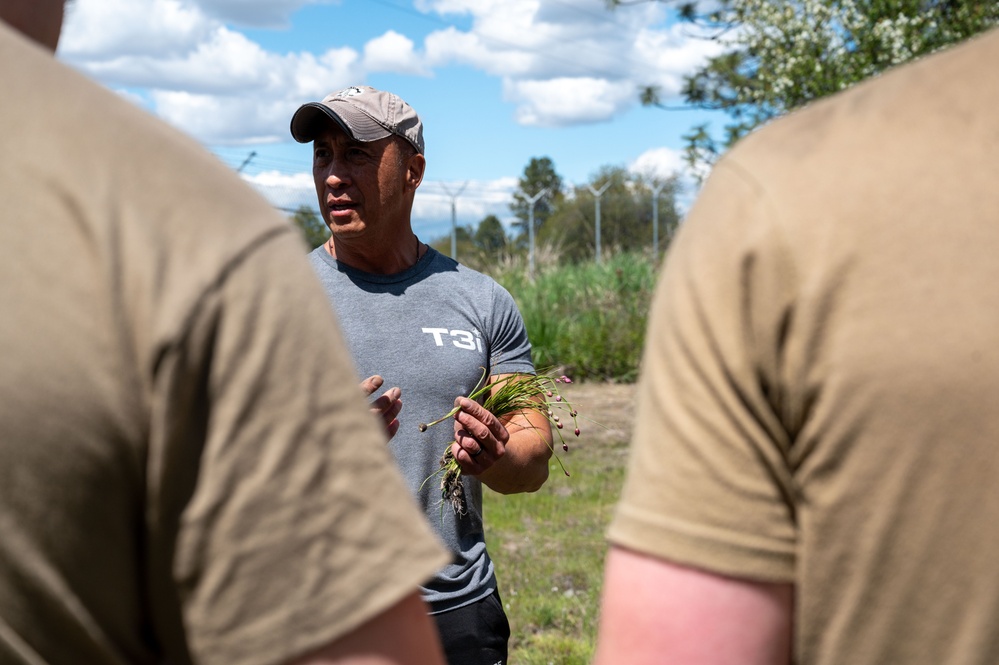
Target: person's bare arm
(402,635)
(508,454)
(656,612)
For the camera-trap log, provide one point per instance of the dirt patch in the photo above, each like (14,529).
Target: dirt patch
(606,410)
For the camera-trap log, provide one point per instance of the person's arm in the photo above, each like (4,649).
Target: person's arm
(515,448)
(654,611)
(402,635)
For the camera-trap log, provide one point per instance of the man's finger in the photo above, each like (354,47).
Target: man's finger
(371,384)
(478,421)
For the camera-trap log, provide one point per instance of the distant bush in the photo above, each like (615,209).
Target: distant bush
(588,318)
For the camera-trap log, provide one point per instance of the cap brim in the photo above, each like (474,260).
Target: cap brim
(307,121)
(309,118)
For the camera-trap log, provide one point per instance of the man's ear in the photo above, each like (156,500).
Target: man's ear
(416,165)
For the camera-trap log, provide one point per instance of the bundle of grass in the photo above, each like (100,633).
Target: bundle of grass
(510,394)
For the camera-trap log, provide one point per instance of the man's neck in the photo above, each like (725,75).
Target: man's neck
(386,259)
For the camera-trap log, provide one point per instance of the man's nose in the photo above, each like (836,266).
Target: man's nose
(337,175)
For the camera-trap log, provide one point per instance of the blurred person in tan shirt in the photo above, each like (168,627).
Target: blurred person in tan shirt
(814,464)
(188,472)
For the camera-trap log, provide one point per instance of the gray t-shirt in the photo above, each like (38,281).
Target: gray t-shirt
(431,330)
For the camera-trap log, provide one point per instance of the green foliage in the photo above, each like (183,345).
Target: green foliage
(782,55)
(467,247)
(490,237)
(314,230)
(539,174)
(625,216)
(589,319)
(549,548)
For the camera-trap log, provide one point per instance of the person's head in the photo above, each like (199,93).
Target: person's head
(40,20)
(367,159)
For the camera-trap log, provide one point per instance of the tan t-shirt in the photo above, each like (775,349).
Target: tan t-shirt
(188,470)
(819,400)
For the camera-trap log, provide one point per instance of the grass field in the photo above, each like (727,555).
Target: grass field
(589,319)
(549,546)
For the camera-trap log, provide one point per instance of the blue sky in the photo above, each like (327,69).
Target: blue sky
(496,83)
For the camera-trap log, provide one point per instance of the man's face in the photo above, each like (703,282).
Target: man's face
(364,189)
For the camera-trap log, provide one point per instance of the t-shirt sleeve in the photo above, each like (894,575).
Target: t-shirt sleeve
(298,527)
(510,349)
(708,483)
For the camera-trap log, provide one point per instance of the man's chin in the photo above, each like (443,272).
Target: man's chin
(346,230)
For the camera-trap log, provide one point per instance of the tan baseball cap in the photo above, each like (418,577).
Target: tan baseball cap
(364,113)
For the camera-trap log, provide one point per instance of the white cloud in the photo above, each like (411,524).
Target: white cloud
(671,54)
(662,163)
(285,191)
(477,199)
(568,101)
(561,62)
(392,52)
(231,91)
(565,62)
(118,29)
(222,63)
(226,120)
(658,163)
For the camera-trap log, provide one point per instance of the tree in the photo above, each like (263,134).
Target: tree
(783,54)
(314,231)
(625,215)
(539,174)
(464,245)
(490,237)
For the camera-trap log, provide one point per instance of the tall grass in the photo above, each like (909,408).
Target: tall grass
(588,318)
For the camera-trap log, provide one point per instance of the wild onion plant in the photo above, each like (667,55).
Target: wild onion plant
(510,394)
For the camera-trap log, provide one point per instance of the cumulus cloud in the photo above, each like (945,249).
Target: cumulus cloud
(567,63)
(392,52)
(97,30)
(568,101)
(477,200)
(561,63)
(285,191)
(659,164)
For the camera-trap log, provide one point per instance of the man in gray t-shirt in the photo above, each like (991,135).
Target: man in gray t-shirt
(430,328)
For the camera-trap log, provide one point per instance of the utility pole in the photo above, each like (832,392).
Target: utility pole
(530,231)
(597,193)
(655,220)
(454,217)
(253,153)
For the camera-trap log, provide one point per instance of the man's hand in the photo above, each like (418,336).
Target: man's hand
(479,437)
(386,406)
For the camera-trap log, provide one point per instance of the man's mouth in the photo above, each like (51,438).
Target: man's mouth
(341,206)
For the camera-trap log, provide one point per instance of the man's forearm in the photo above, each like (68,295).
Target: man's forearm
(524,466)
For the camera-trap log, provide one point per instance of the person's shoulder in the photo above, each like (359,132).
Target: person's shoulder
(882,109)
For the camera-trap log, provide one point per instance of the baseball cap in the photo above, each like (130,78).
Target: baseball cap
(364,113)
